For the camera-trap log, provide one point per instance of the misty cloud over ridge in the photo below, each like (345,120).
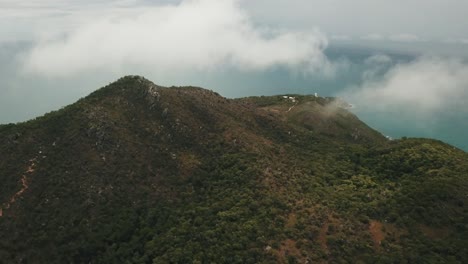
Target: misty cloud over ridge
(423,87)
(193,35)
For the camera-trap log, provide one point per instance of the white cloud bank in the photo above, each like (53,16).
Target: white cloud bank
(423,87)
(195,34)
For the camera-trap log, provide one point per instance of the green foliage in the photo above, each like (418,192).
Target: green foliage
(137,173)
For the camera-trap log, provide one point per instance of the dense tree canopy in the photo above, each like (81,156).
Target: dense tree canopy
(137,173)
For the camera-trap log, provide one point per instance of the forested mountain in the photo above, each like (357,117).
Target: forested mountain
(138,173)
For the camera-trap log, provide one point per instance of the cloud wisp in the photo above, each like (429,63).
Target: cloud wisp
(402,38)
(405,38)
(422,87)
(193,35)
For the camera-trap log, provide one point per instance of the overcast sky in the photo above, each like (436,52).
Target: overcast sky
(54,51)
(398,20)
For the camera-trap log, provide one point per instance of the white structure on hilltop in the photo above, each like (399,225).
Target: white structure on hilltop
(293,99)
(316,94)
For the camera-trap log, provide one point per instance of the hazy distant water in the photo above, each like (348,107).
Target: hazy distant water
(23,97)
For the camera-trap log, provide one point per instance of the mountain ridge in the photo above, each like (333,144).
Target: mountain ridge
(142,173)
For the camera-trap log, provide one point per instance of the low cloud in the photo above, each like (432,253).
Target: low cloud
(373,37)
(376,66)
(378,60)
(193,35)
(341,37)
(405,38)
(422,87)
(455,41)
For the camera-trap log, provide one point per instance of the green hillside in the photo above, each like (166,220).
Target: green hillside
(138,173)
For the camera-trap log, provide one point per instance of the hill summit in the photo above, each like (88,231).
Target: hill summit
(139,173)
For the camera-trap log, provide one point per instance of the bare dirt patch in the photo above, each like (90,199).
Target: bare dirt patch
(288,248)
(24,186)
(375,228)
(322,238)
(292,220)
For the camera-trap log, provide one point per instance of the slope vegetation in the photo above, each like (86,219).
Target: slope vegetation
(138,173)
